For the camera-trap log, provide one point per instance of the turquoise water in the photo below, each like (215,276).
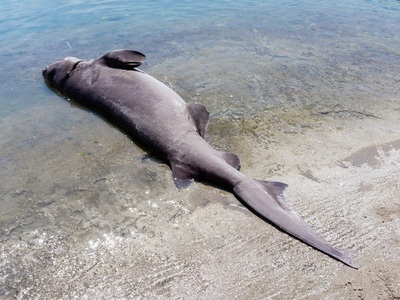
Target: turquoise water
(68,174)
(232,37)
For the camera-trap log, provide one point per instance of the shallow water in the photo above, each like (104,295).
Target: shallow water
(267,71)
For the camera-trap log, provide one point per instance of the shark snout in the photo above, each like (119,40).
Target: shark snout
(44,71)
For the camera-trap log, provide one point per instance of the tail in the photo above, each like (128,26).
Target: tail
(266,199)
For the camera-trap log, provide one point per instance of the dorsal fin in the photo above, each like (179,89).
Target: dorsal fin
(199,115)
(124,59)
(276,189)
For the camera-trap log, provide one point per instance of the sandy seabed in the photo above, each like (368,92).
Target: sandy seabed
(100,229)
(86,214)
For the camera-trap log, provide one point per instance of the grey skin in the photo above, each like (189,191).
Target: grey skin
(161,120)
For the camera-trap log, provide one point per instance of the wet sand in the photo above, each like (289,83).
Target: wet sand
(87,214)
(125,239)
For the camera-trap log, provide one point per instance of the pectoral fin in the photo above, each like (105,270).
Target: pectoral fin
(124,59)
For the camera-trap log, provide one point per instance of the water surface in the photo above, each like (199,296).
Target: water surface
(269,72)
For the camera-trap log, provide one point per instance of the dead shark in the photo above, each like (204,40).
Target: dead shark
(159,118)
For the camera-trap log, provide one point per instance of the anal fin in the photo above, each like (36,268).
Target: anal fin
(230,158)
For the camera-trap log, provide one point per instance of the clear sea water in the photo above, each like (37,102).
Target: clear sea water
(65,172)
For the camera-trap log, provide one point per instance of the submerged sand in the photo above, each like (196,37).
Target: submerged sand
(102,230)
(86,214)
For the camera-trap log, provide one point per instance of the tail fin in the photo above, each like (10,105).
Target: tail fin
(267,200)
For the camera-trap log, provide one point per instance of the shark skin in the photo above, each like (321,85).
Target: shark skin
(157,117)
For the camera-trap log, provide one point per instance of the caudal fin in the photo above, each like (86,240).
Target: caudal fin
(267,200)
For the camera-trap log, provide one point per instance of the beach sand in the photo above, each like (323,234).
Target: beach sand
(124,239)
